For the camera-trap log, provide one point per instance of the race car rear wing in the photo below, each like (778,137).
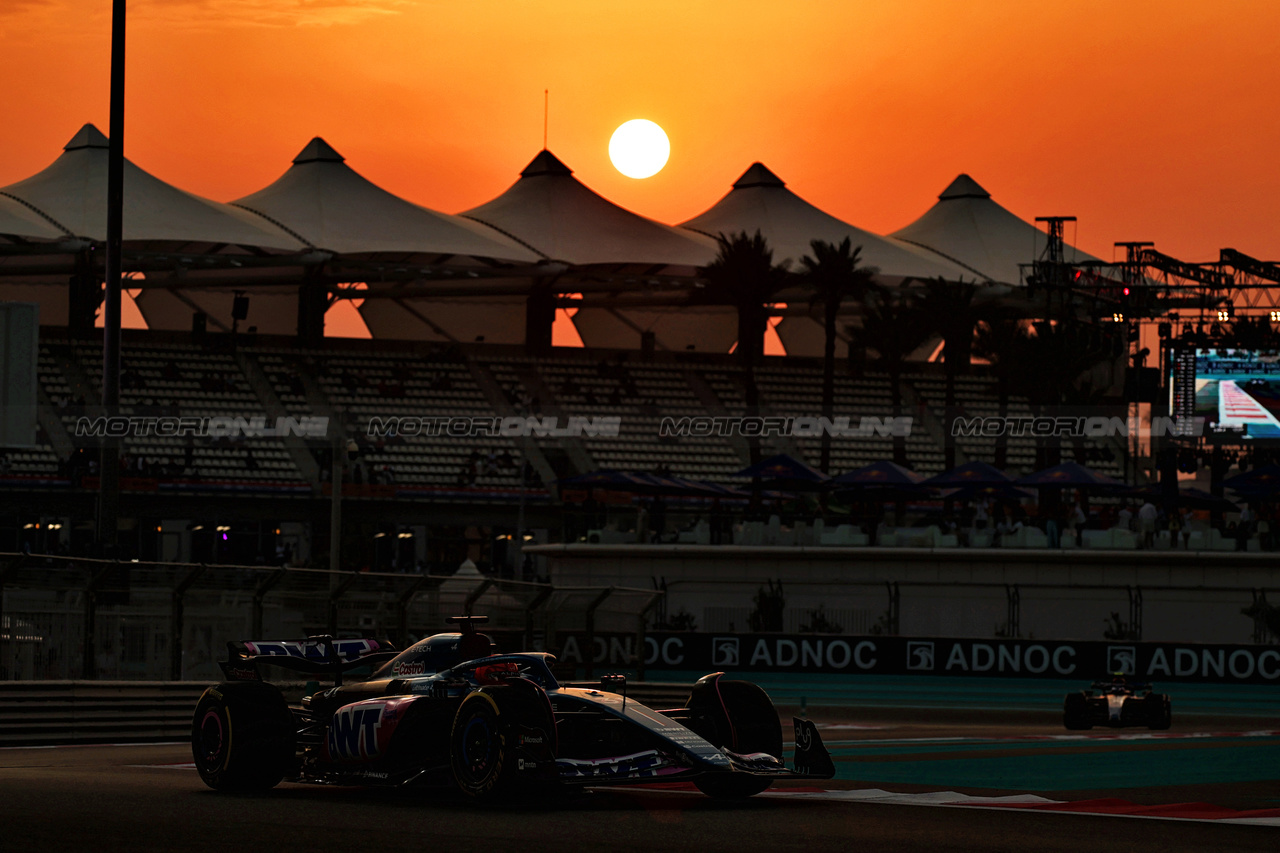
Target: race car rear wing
(1135,686)
(322,655)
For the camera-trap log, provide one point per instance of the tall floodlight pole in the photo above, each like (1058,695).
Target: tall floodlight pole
(335,506)
(1052,263)
(1134,270)
(109,482)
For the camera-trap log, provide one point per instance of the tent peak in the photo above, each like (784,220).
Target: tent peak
(87,137)
(545,163)
(318,149)
(964,187)
(758,175)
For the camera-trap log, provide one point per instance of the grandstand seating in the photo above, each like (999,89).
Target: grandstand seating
(978,396)
(186,380)
(358,386)
(164,373)
(798,390)
(642,394)
(351,382)
(42,460)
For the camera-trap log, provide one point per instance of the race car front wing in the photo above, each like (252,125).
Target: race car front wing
(811,761)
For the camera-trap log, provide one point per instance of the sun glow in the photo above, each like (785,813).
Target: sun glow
(639,148)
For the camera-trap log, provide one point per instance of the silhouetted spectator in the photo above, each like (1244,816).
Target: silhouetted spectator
(1147,523)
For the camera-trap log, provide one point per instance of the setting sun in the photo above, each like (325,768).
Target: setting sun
(639,148)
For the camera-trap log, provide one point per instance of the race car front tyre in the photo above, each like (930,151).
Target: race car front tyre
(478,747)
(503,741)
(746,722)
(1159,711)
(242,737)
(1075,712)
(492,730)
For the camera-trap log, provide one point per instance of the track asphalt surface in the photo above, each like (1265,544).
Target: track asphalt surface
(932,778)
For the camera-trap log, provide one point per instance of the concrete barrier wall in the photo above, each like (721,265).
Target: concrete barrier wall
(46,712)
(1186,596)
(65,712)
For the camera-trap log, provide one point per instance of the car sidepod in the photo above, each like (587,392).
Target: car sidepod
(390,740)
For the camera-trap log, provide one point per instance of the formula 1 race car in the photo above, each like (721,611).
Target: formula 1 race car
(1117,703)
(447,711)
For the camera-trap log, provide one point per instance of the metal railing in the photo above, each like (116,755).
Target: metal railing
(850,601)
(75,618)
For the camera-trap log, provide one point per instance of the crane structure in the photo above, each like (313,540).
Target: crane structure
(1153,286)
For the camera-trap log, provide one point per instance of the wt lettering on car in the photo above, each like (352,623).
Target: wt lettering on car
(362,731)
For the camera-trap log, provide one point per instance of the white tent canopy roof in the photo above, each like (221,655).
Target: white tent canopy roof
(553,213)
(760,201)
(72,192)
(968,227)
(331,206)
(18,220)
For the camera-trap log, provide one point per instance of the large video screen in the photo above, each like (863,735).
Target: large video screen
(1236,391)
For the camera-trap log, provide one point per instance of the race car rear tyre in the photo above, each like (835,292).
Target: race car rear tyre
(503,741)
(1160,715)
(1075,712)
(242,737)
(742,719)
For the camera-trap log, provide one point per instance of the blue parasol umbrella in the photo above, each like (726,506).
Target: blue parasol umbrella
(719,490)
(970,474)
(606,478)
(786,473)
(1190,498)
(1070,475)
(880,474)
(887,482)
(1258,483)
(1001,491)
(631,483)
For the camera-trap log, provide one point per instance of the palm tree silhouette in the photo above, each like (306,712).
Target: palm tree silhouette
(836,274)
(1002,341)
(744,275)
(949,310)
(893,327)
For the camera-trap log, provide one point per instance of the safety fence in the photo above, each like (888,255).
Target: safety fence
(1062,609)
(72,618)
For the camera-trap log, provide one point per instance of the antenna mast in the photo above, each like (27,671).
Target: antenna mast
(546,98)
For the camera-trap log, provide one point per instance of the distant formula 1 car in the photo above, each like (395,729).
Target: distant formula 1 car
(446,711)
(1117,703)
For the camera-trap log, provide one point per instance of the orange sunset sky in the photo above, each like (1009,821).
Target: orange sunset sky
(1147,120)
